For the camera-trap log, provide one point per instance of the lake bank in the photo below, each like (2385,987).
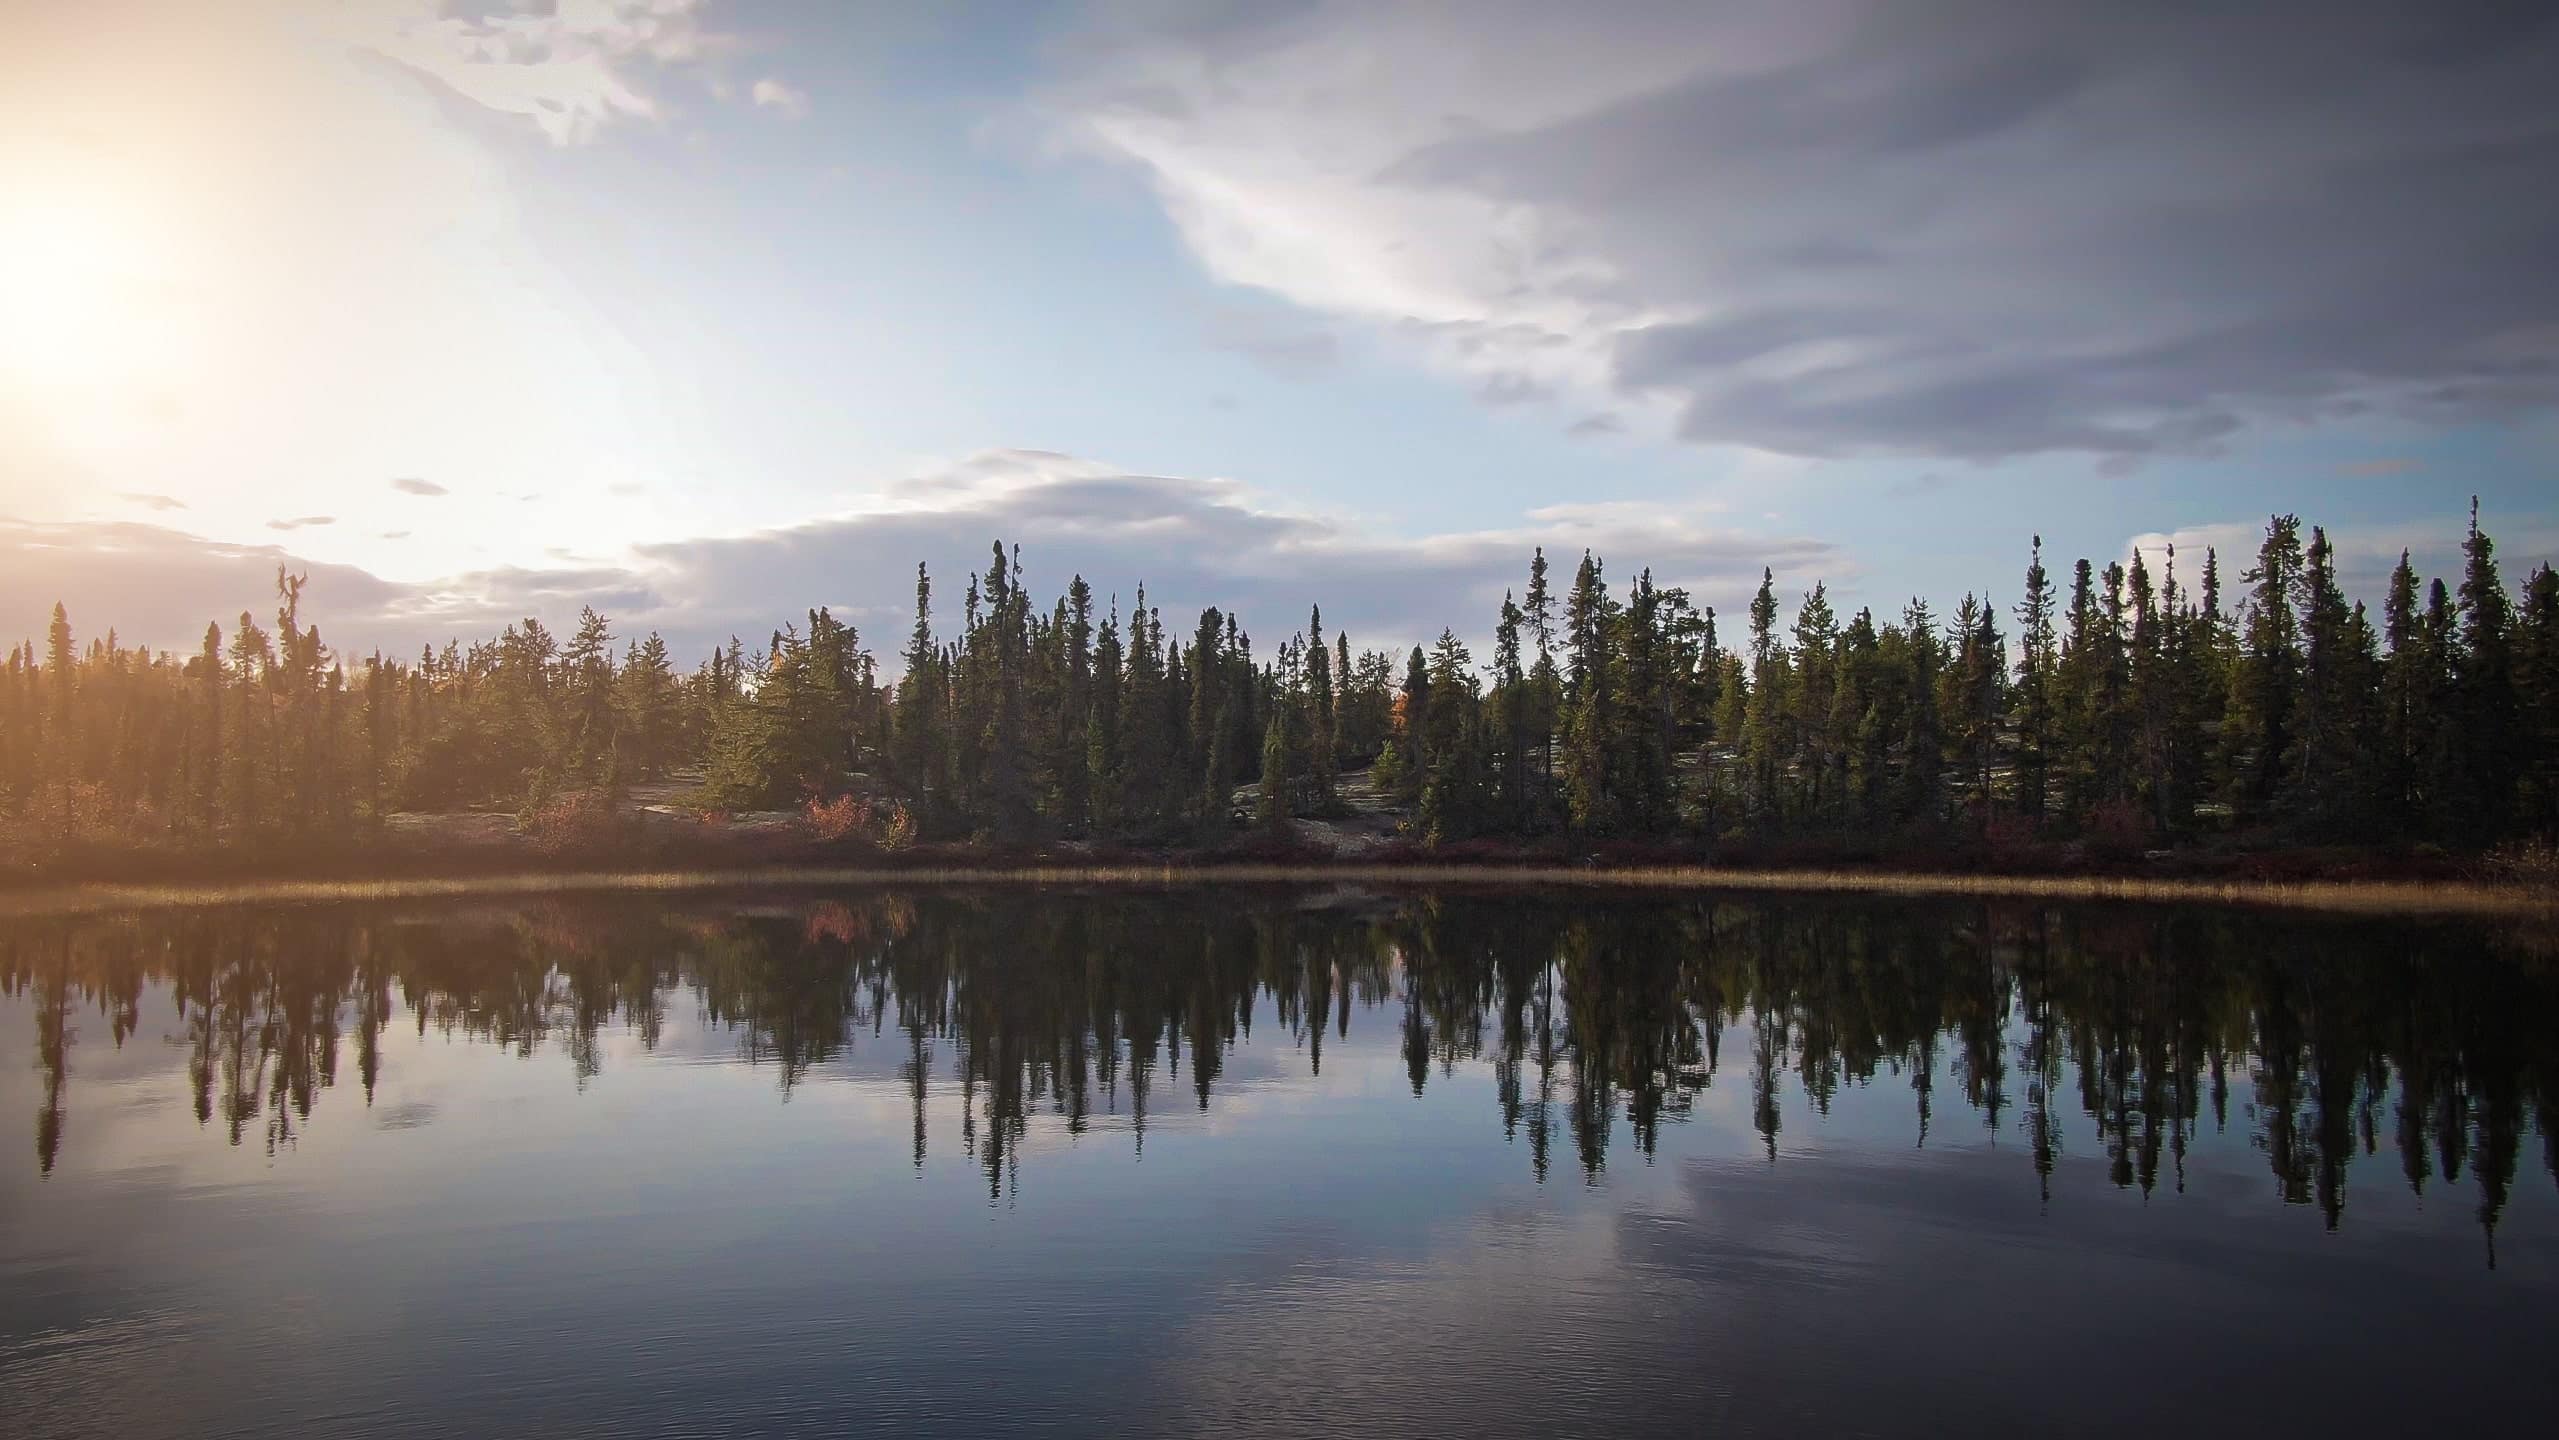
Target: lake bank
(2360,896)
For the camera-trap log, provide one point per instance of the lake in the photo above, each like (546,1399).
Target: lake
(1272,1161)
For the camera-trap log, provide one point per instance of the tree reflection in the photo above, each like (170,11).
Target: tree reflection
(1603,1022)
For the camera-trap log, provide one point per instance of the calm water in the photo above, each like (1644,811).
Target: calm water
(1279,1162)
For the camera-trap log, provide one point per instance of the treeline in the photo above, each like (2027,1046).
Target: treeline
(2129,705)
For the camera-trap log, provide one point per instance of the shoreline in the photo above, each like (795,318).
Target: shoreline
(2456,898)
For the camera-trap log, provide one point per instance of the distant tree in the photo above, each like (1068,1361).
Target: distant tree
(2034,689)
(2258,736)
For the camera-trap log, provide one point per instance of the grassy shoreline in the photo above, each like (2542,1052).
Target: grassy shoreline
(2376,897)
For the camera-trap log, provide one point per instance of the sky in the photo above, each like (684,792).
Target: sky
(709,312)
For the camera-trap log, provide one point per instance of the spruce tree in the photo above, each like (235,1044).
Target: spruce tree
(1763,720)
(1319,715)
(2258,737)
(1512,710)
(1981,673)
(2322,769)
(1811,747)
(1590,701)
(921,750)
(2035,663)
(2484,687)
(209,767)
(2536,650)
(1273,798)
(1923,736)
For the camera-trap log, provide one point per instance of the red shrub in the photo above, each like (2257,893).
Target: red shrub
(887,825)
(570,821)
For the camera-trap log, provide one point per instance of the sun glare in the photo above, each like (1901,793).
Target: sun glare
(80,274)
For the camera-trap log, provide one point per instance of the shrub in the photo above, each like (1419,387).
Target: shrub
(568,821)
(2524,862)
(2007,835)
(832,820)
(2118,830)
(889,826)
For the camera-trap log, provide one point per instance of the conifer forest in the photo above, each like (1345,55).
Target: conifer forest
(2159,701)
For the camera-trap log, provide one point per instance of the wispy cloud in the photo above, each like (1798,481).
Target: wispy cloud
(1282,343)
(1192,541)
(572,67)
(2365,554)
(412,485)
(1843,229)
(302,522)
(153,502)
(772,94)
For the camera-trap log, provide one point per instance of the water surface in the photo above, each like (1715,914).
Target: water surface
(1272,1161)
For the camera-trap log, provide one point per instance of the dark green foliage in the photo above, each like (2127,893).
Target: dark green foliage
(2134,711)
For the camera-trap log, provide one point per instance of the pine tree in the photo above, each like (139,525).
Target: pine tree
(1273,798)
(2536,647)
(1546,700)
(1981,677)
(1102,730)
(2035,664)
(209,765)
(1513,708)
(2444,781)
(1452,744)
(1812,748)
(2406,722)
(2322,770)
(921,751)
(1763,720)
(2484,690)
(1209,711)
(1923,736)
(1644,722)
(1071,762)
(1319,715)
(1590,702)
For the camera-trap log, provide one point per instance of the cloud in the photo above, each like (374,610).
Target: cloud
(1502,390)
(411,485)
(772,94)
(1973,230)
(1193,542)
(302,522)
(2365,553)
(1591,427)
(573,68)
(153,502)
(394,535)
(1285,345)
(158,586)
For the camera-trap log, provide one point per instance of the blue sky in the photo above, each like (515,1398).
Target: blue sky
(709,311)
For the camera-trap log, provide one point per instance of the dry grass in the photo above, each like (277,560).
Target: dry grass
(2357,897)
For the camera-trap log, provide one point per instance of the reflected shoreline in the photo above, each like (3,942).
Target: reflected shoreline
(2141,1029)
